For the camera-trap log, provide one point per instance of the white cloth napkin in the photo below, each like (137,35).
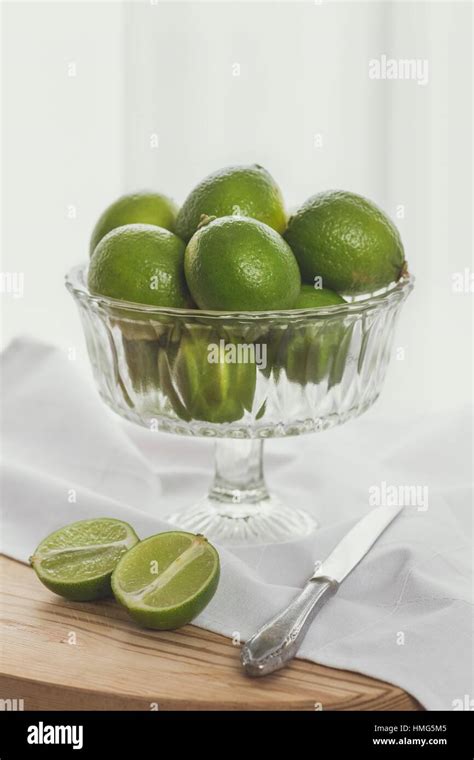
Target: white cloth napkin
(403,615)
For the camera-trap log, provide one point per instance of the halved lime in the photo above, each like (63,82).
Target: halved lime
(167,580)
(77,561)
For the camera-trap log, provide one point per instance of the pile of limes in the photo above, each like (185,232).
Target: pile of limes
(232,248)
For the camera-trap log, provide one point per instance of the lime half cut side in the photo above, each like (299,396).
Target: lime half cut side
(166,581)
(77,561)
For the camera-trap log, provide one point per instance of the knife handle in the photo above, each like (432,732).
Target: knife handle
(278,641)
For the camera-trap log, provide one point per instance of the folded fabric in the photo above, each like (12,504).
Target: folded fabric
(403,615)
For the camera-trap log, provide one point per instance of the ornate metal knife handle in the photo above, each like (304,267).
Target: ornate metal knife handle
(279,640)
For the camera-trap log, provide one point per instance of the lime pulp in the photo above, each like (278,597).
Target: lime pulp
(77,561)
(166,580)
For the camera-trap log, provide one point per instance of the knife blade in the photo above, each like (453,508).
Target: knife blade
(355,544)
(278,641)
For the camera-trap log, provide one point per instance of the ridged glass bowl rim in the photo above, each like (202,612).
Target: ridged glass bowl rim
(77,285)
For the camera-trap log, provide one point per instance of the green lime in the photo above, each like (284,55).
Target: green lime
(316,352)
(167,580)
(77,561)
(347,241)
(237,264)
(201,383)
(313,298)
(237,190)
(140,263)
(137,208)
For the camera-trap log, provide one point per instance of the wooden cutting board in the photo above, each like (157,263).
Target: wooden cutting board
(59,655)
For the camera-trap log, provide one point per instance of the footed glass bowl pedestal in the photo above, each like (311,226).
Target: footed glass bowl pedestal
(239,378)
(239,508)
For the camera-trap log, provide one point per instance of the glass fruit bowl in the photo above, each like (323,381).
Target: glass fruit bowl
(239,378)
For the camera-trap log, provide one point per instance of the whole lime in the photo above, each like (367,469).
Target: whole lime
(238,264)
(312,350)
(236,190)
(208,376)
(313,298)
(138,208)
(347,241)
(140,263)
(316,352)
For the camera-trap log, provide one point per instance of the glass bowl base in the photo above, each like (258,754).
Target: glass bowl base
(260,522)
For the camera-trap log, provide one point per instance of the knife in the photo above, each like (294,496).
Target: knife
(278,641)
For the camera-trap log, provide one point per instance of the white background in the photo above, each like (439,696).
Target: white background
(71,144)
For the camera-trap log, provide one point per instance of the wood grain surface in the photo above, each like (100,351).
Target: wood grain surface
(114,665)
